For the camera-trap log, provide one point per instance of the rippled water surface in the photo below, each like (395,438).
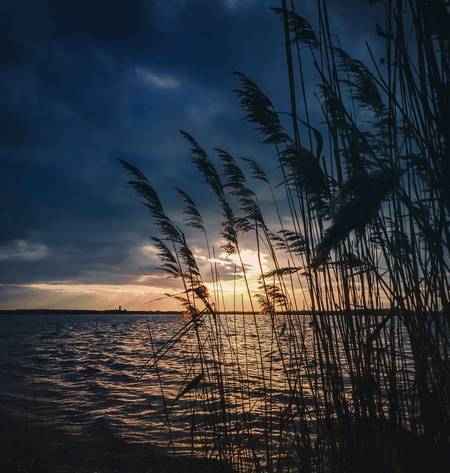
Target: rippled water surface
(79,372)
(76,371)
(84,373)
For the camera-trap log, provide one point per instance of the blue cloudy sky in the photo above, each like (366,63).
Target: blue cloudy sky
(85,80)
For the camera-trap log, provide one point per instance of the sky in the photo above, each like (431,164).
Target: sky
(84,81)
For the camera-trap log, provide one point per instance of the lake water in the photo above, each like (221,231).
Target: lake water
(77,372)
(85,374)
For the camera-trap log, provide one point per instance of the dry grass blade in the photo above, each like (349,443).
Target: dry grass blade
(193,384)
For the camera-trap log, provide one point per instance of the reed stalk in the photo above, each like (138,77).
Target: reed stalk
(360,242)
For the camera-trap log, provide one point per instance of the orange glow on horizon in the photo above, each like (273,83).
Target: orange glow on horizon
(150,291)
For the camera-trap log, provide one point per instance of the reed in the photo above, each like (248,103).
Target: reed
(361,227)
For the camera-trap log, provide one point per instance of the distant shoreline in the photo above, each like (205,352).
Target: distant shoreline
(85,311)
(355,312)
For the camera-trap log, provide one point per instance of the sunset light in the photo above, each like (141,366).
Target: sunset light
(225,240)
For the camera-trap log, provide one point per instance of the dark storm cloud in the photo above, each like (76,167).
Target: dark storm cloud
(84,80)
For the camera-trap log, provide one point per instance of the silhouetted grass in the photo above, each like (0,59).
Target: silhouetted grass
(362,225)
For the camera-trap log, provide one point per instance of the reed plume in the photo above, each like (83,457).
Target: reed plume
(346,369)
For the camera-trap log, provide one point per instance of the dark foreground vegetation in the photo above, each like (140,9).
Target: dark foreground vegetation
(363,224)
(29,447)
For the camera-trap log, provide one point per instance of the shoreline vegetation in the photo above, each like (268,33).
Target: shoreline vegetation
(29,447)
(353,213)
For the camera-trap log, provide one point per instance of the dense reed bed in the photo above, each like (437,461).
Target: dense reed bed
(361,243)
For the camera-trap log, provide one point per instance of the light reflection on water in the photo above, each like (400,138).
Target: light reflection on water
(79,372)
(74,371)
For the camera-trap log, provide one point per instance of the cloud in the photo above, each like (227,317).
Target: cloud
(23,250)
(156,80)
(70,287)
(234,4)
(69,295)
(84,79)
